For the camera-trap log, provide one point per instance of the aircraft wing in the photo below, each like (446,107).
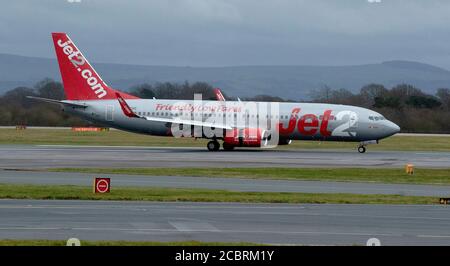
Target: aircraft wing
(186,122)
(129,112)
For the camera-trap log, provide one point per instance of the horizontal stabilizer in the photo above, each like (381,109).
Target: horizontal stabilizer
(76,105)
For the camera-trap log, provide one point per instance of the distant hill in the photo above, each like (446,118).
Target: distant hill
(293,82)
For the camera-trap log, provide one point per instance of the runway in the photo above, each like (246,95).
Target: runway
(307,224)
(233,184)
(326,224)
(48,156)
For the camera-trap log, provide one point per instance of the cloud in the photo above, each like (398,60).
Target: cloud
(232,32)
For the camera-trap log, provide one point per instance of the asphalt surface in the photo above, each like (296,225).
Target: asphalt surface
(226,222)
(234,184)
(229,222)
(47,156)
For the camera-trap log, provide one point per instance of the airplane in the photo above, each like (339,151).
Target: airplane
(90,98)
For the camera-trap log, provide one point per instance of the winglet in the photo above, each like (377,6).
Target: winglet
(125,107)
(219,95)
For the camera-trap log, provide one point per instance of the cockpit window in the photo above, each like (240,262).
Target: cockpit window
(376,118)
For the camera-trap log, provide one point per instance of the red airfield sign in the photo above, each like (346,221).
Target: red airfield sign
(102,185)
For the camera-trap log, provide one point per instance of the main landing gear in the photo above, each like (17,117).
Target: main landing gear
(213,145)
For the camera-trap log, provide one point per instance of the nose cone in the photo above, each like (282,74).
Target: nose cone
(391,128)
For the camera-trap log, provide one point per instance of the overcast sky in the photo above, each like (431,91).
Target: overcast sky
(233,32)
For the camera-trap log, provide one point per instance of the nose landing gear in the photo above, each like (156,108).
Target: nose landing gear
(362,145)
(361,149)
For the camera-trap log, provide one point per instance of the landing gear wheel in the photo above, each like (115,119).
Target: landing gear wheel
(227,147)
(213,145)
(361,149)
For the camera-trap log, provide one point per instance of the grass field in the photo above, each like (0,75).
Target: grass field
(9,242)
(380,175)
(199,195)
(120,138)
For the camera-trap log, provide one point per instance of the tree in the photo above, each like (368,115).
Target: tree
(144,91)
(264,98)
(48,88)
(418,101)
(322,94)
(444,96)
(387,101)
(369,92)
(17,97)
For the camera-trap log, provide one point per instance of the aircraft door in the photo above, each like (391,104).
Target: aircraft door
(109,114)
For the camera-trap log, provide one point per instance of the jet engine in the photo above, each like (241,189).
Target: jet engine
(247,137)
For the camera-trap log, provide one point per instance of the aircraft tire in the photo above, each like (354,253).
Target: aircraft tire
(361,149)
(213,145)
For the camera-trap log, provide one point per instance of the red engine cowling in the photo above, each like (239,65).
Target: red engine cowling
(247,137)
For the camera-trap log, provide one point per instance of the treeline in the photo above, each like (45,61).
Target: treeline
(406,105)
(409,107)
(168,90)
(186,91)
(17,109)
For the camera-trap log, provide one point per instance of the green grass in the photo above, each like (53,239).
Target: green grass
(379,175)
(41,242)
(121,138)
(199,195)
(112,137)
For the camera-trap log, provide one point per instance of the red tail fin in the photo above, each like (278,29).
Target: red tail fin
(80,80)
